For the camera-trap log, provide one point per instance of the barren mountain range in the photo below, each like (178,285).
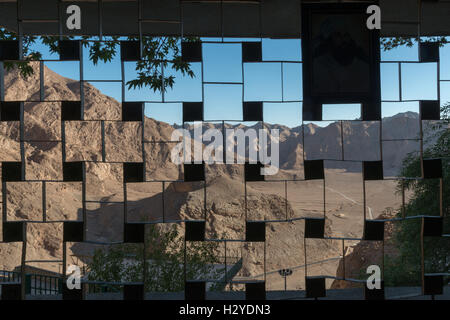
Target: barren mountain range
(225,200)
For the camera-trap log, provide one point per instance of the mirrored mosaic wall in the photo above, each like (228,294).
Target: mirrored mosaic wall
(87,158)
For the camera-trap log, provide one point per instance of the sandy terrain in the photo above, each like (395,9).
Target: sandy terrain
(224,210)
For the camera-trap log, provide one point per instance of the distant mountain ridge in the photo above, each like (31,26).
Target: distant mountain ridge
(361,139)
(123,143)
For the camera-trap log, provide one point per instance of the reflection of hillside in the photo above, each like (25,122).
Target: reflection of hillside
(225,205)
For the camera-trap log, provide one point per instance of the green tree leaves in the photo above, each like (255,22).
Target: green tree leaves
(406,268)
(159,54)
(165,255)
(392,43)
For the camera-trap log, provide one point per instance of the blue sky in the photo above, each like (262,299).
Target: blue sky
(262,81)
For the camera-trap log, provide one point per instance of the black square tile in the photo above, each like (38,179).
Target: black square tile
(134,233)
(253,111)
(73,231)
(371,111)
(238,16)
(71,111)
(192,111)
(13,231)
(255,291)
(429,110)
(433,226)
(120,17)
(314,170)
(374,294)
(9,50)
(72,294)
(69,49)
(252,171)
(194,172)
(11,171)
(432,169)
(35,27)
(374,230)
(429,52)
(194,230)
(132,111)
(373,170)
(312,111)
(42,9)
(315,287)
(130,50)
(433,285)
(191,51)
(9,13)
(133,292)
(194,290)
(210,13)
(11,292)
(9,111)
(133,172)
(251,52)
(73,171)
(157,9)
(255,231)
(314,228)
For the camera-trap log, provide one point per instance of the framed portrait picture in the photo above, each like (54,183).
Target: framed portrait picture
(341,58)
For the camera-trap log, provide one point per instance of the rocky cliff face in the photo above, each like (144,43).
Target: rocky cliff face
(349,140)
(224,206)
(361,255)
